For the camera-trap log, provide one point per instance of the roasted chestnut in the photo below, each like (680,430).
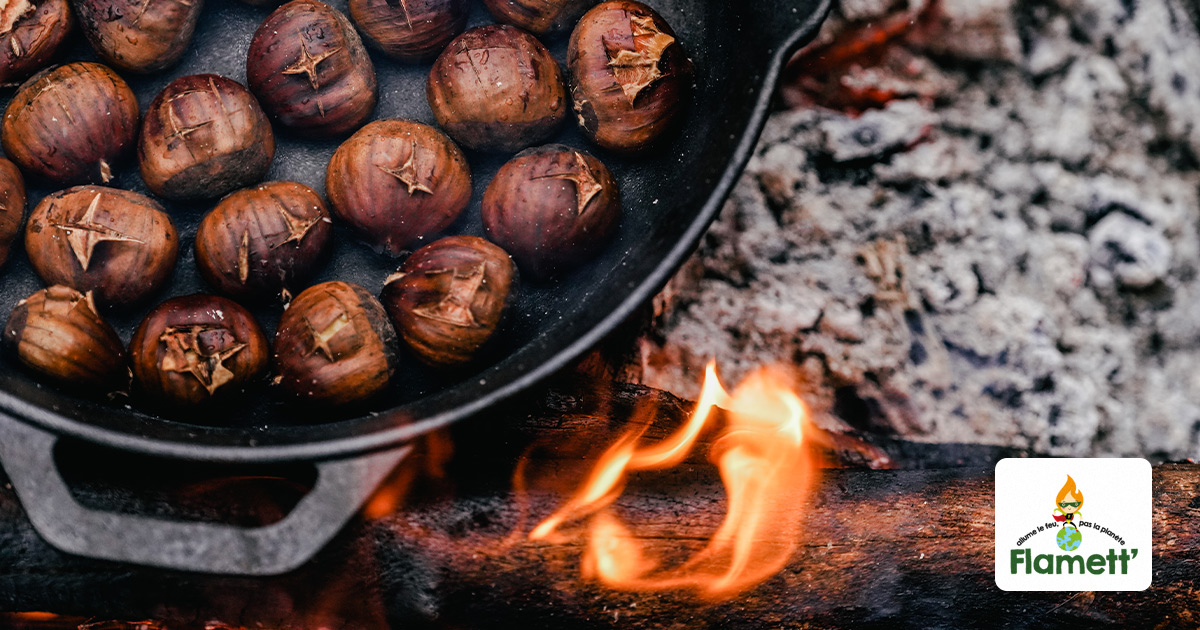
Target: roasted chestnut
(448,298)
(58,333)
(398,182)
(116,243)
(30,35)
(335,345)
(539,17)
(552,208)
(71,124)
(204,135)
(12,206)
(496,88)
(309,69)
(409,30)
(139,35)
(261,241)
(630,77)
(194,348)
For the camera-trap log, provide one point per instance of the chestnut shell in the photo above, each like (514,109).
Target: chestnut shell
(195,348)
(309,69)
(58,334)
(31,34)
(397,182)
(448,298)
(139,35)
(116,243)
(71,124)
(630,77)
(552,208)
(335,345)
(204,135)
(12,206)
(409,30)
(262,240)
(496,88)
(540,17)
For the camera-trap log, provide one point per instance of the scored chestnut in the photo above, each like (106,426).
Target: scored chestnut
(309,69)
(447,299)
(195,348)
(335,345)
(398,182)
(409,31)
(58,334)
(31,35)
(261,241)
(204,136)
(540,17)
(117,243)
(630,77)
(12,206)
(71,124)
(496,88)
(552,208)
(139,35)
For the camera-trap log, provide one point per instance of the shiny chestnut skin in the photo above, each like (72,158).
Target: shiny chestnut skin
(309,69)
(496,88)
(540,17)
(196,348)
(116,243)
(58,334)
(263,240)
(630,77)
(12,206)
(447,299)
(31,34)
(139,36)
(552,208)
(204,136)
(410,31)
(71,124)
(335,345)
(398,182)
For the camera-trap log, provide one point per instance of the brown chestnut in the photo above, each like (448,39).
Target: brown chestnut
(260,241)
(496,88)
(204,136)
(539,17)
(139,35)
(117,243)
(58,333)
(194,348)
(309,69)
(447,299)
(71,124)
(12,206)
(552,208)
(398,182)
(409,30)
(335,345)
(31,34)
(630,77)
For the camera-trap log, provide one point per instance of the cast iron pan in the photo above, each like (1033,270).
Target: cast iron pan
(669,198)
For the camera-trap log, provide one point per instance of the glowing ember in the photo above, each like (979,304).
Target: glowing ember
(760,455)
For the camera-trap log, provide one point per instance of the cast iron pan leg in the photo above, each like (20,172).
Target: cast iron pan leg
(27,456)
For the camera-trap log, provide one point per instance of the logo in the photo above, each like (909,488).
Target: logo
(1047,541)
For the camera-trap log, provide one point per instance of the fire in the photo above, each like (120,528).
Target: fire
(761,459)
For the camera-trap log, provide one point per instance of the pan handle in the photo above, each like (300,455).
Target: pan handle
(27,455)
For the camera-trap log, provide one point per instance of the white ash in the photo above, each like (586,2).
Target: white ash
(1015,260)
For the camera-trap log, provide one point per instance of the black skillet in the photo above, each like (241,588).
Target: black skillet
(739,48)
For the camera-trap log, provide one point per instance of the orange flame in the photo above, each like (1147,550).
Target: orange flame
(760,455)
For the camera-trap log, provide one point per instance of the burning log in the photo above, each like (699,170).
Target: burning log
(880,547)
